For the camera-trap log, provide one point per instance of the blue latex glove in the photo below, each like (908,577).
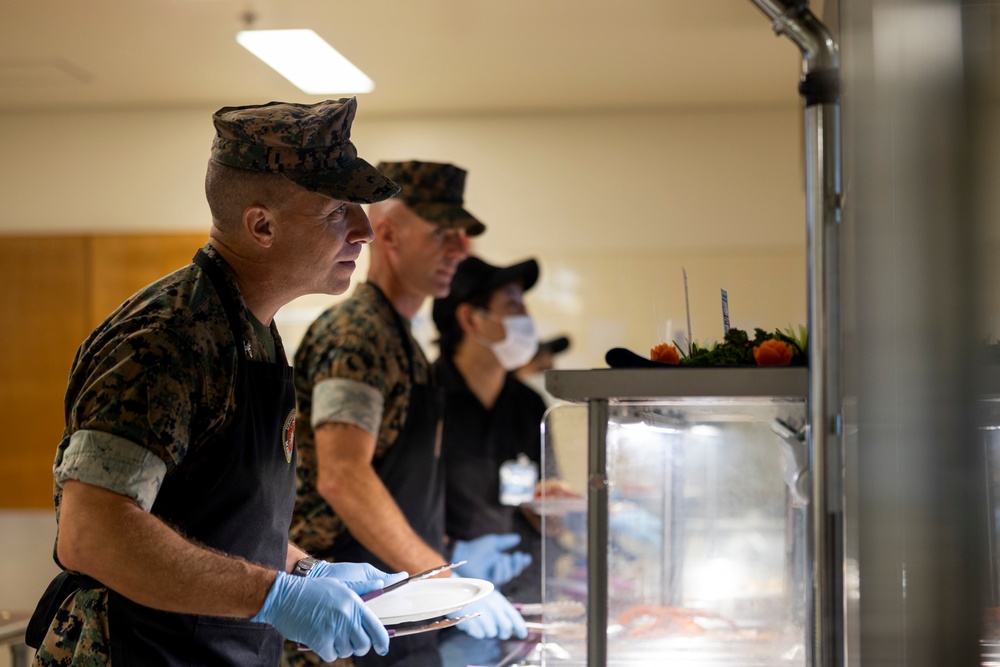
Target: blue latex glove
(487,558)
(497,619)
(632,522)
(325,615)
(626,520)
(360,577)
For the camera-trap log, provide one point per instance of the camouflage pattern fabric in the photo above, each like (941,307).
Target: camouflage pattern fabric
(79,634)
(309,144)
(434,191)
(355,340)
(157,376)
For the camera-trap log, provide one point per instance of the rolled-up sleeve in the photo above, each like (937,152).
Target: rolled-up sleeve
(112,463)
(347,401)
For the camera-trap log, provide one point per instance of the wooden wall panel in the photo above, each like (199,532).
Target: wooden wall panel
(123,264)
(44,302)
(56,291)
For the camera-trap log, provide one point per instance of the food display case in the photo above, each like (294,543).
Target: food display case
(689,545)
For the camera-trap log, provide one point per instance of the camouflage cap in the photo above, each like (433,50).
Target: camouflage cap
(309,144)
(433,191)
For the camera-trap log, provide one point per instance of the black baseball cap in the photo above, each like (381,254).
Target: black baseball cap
(475,276)
(554,345)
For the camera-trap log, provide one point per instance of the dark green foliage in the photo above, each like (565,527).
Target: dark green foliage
(736,349)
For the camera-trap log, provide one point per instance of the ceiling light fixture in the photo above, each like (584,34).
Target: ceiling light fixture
(305,59)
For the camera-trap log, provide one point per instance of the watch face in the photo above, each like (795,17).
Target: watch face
(304,566)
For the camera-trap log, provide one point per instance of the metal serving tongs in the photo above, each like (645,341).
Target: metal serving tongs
(416,577)
(557,618)
(555,610)
(429,627)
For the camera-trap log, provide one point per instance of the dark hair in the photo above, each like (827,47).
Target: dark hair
(230,190)
(450,333)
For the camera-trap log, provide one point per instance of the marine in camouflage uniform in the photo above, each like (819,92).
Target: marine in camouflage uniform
(155,387)
(159,371)
(354,366)
(355,340)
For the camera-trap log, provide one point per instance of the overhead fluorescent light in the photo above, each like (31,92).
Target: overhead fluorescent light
(305,59)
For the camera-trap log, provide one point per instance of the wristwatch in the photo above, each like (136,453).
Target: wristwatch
(304,566)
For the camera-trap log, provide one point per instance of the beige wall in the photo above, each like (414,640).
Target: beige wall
(612,205)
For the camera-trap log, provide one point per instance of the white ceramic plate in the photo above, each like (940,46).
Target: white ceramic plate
(430,598)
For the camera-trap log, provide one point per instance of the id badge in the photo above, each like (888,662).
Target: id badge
(517,481)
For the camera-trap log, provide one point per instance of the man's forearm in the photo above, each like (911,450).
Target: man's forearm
(348,482)
(375,520)
(109,537)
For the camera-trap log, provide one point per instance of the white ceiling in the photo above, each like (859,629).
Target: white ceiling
(425,56)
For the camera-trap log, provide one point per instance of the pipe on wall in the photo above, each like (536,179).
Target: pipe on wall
(819,87)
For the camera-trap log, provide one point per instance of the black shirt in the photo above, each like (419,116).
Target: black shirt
(476,441)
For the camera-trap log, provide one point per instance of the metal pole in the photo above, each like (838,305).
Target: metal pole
(820,90)
(597,534)
(824,394)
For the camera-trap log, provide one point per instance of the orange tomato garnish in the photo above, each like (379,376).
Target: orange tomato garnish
(665,354)
(773,353)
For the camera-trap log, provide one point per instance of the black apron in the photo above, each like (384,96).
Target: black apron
(235,496)
(411,471)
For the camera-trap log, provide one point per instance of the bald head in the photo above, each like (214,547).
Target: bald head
(390,209)
(389,219)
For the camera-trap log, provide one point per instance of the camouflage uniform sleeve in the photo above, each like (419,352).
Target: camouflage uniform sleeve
(79,632)
(112,463)
(135,416)
(349,382)
(348,401)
